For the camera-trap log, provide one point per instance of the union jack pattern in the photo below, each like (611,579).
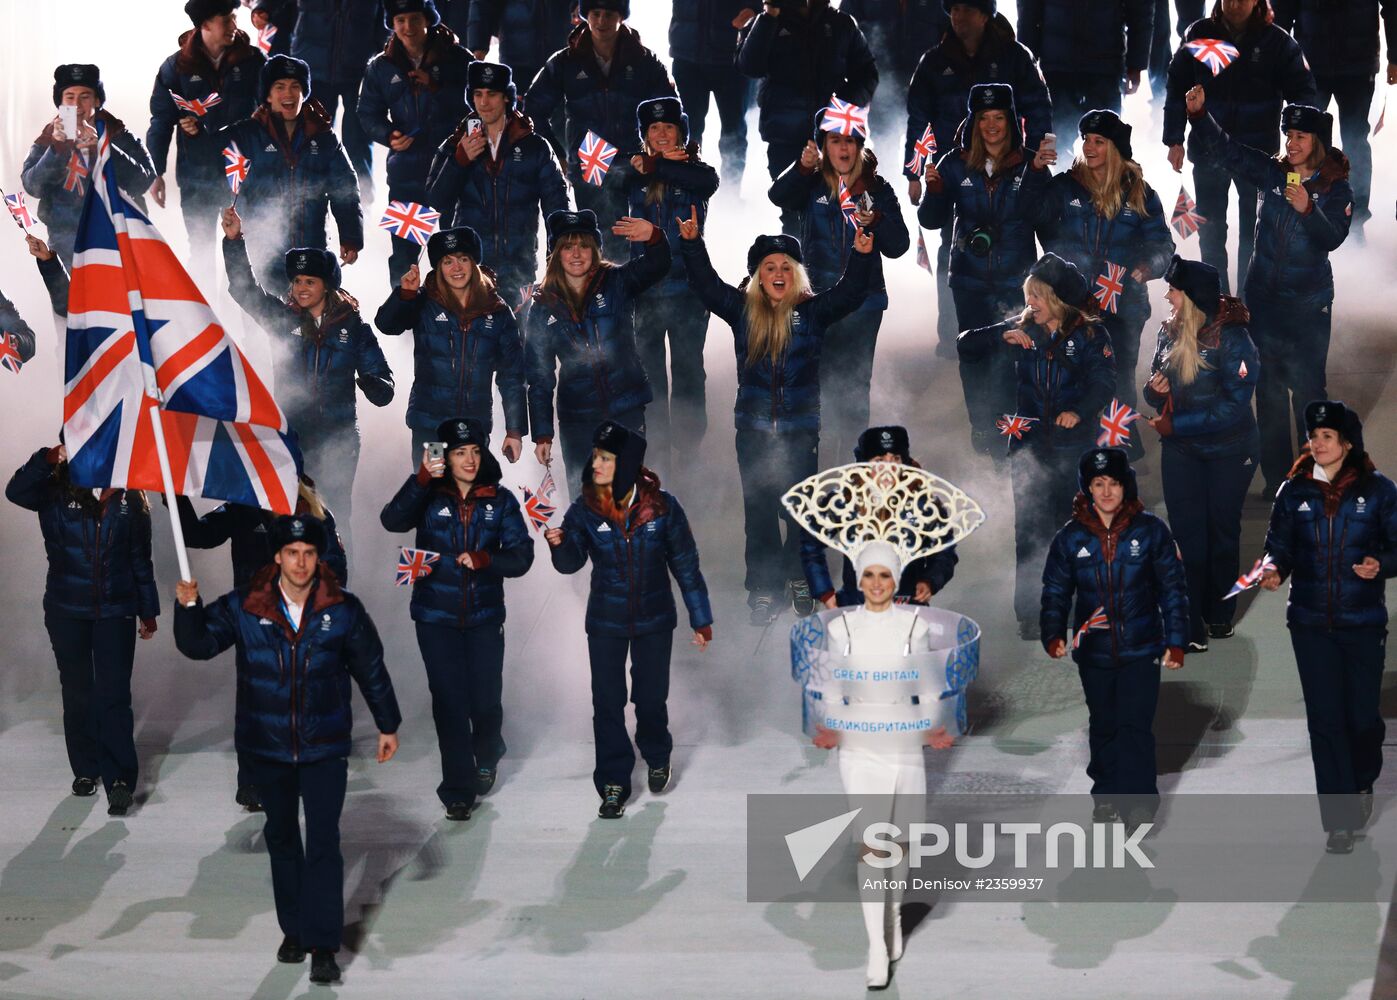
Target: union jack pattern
(1217,55)
(19,211)
(196,106)
(539,507)
(1096,623)
(1251,577)
(413,564)
(408,220)
(1186,219)
(1014,426)
(596,155)
(923,149)
(76,179)
(844,118)
(846,203)
(9,353)
(923,257)
(1109,287)
(235,166)
(1115,424)
(264,38)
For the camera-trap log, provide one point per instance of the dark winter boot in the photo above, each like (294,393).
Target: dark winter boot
(659,779)
(485,780)
(801,601)
(613,804)
(323,967)
(118,799)
(249,798)
(459,812)
(290,952)
(83,787)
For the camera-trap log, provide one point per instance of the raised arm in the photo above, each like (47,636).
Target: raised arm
(270,312)
(720,298)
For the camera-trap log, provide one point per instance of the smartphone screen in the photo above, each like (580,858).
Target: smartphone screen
(472,126)
(68,115)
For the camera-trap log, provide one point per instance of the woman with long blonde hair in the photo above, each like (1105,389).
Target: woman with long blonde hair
(778,328)
(1103,217)
(1201,382)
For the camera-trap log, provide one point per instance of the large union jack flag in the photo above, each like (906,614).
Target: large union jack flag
(844,118)
(235,166)
(1214,53)
(1115,424)
(196,106)
(596,155)
(142,344)
(413,564)
(408,220)
(1096,623)
(923,149)
(1186,219)
(1251,577)
(1109,287)
(539,507)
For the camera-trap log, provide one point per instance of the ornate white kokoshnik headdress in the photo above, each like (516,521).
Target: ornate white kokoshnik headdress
(885,508)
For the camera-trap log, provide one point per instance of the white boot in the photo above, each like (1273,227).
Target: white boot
(892,926)
(875,922)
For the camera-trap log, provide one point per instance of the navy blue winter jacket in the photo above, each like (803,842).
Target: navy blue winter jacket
(827,238)
(292,187)
(487,524)
(316,367)
(192,75)
(1245,98)
(12,322)
(1100,37)
(529,31)
(282,16)
(1072,228)
(941,86)
(632,561)
(336,39)
(425,103)
(454,357)
(294,702)
(801,59)
(688,183)
(595,101)
(98,551)
(1007,204)
(701,31)
(1212,416)
(501,197)
(248,530)
(1320,531)
(1339,37)
(1132,571)
(46,172)
(590,358)
(783,395)
(1291,260)
(899,31)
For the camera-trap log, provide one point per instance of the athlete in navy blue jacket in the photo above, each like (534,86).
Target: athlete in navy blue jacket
(460,511)
(529,31)
(1113,589)
(300,640)
(899,32)
(214,58)
(702,45)
(636,536)
(1333,534)
(100,583)
(413,94)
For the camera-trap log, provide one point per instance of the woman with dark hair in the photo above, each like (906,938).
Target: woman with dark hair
(580,335)
(101,583)
(667,181)
(636,536)
(779,328)
(1103,217)
(993,194)
(1066,375)
(1306,207)
(1333,534)
(463,333)
(835,190)
(461,512)
(1201,382)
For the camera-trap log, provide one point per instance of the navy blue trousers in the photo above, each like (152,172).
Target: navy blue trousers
(1121,703)
(94,669)
(1292,342)
(649,690)
(465,673)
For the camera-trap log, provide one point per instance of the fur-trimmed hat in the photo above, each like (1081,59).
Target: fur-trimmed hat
(1304,118)
(1063,278)
(392,8)
(1109,126)
(462,239)
(662,109)
(1111,462)
(891,439)
(1335,415)
(460,431)
(987,7)
(1200,282)
(490,76)
(284,68)
(566,223)
(622,7)
(291,528)
(314,263)
(78,75)
(200,11)
(629,448)
(765,246)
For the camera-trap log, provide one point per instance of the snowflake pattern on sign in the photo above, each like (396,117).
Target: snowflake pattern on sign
(1109,287)
(9,353)
(1251,577)
(1096,623)
(1186,219)
(1115,424)
(407,220)
(1014,426)
(413,564)
(844,118)
(1214,53)
(596,155)
(923,150)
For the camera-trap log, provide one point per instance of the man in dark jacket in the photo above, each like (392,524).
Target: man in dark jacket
(802,51)
(899,32)
(335,38)
(529,30)
(300,638)
(702,44)
(215,60)
(598,79)
(59,166)
(1245,98)
(1085,47)
(414,93)
(275,21)
(1340,40)
(496,175)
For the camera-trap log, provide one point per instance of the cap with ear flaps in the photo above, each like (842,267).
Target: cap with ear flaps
(629,448)
(1335,415)
(1200,282)
(1112,462)
(291,528)
(1304,118)
(78,75)
(765,246)
(891,439)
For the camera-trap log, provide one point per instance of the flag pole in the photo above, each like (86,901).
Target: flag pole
(157,425)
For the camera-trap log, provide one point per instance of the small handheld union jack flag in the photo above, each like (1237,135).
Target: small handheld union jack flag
(844,118)
(196,106)
(9,353)
(923,149)
(1098,622)
(76,180)
(19,211)
(1251,577)
(264,38)
(235,166)
(596,155)
(1217,55)
(923,257)
(847,204)
(1115,424)
(408,220)
(1109,287)
(539,507)
(1186,219)
(1014,426)
(413,564)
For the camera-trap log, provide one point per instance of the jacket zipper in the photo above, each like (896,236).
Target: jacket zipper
(1329,571)
(466,508)
(1110,550)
